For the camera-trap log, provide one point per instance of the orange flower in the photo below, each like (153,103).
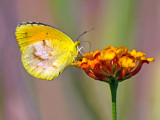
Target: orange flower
(112,63)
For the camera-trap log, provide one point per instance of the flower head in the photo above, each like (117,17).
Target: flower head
(112,63)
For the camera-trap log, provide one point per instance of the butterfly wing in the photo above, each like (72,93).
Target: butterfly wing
(46,51)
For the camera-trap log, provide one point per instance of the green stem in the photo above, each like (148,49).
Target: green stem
(113,88)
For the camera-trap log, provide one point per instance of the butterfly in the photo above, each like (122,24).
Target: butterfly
(46,51)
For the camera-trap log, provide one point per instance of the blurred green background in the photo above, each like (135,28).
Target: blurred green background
(73,95)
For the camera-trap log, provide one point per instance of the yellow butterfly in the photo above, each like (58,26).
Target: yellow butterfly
(46,51)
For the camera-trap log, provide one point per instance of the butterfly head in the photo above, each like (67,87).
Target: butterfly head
(75,49)
(77,43)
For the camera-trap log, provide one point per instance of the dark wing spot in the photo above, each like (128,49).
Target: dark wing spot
(44,42)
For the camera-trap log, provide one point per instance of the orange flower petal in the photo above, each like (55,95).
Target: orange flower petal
(112,63)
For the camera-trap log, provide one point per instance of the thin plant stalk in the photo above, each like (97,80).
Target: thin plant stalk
(113,88)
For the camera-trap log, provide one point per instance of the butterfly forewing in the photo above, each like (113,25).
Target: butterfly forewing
(46,51)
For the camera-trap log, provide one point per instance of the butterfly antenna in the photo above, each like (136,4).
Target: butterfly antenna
(84,33)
